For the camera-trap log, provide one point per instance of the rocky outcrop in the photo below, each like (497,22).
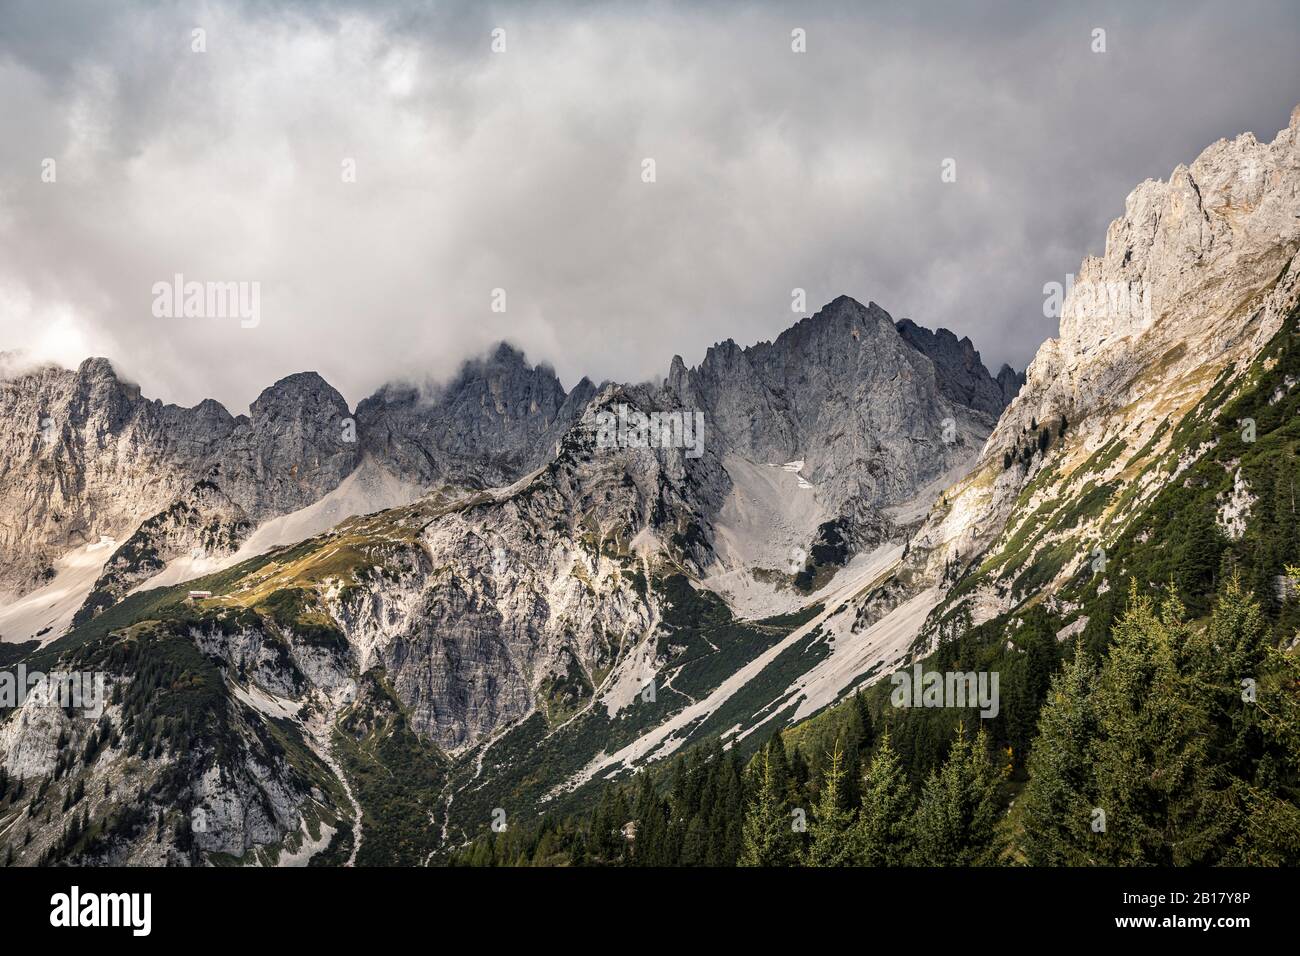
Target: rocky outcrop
(1181,284)
(510,594)
(874,415)
(297,443)
(87,458)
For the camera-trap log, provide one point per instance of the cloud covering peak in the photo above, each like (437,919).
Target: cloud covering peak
(390,182)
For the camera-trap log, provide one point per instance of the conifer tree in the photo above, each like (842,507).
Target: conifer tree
(800,775)
(1198,558)
(695,843)
(1253,692)
(1057,806)
(731,810)
(650,848)
(1152,781)
(862,724)
(607,841)
(1215,660)
(768,837)
(956,819)
(781,764)
(829,843)
(850,789)
(880,835)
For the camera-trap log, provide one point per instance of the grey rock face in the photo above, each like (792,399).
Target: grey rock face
(498,419)
(962,376)
(1197,274)
(201,521)
(86,456)
(241,794)
(521,588)
(296,445)
(1009,382)
(1203,259)
(872,417)
(83,455)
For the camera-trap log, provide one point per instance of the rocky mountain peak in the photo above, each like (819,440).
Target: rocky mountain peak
(96,383)
(843,315)
(1197,276)
(503,353)
(1208,242)
(294,394)
(496,419)
(842,391)
(676,379)
(96,368)
(1009,382)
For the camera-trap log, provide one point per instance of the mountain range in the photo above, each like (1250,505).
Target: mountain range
(380,635)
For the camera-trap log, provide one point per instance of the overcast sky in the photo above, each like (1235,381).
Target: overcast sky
(522,170)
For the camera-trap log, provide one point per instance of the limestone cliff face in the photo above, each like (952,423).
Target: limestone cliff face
(496,420)
(1182,283)
(962,376)
(873,415)
(1009,382)
(487,610)
(83,455)
(1197,274)
(523,596)
(539,585)
(297,443)
(226,787)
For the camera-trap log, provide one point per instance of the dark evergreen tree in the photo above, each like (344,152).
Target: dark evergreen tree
(1149,758)
(829,828)
(1058,808)
(880,835)
(651,842)
(957,817)
(1198,558)
(768,831)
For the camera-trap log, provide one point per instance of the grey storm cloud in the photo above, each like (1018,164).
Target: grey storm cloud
(522,170)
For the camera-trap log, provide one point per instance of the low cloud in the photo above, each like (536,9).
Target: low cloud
(522,171)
